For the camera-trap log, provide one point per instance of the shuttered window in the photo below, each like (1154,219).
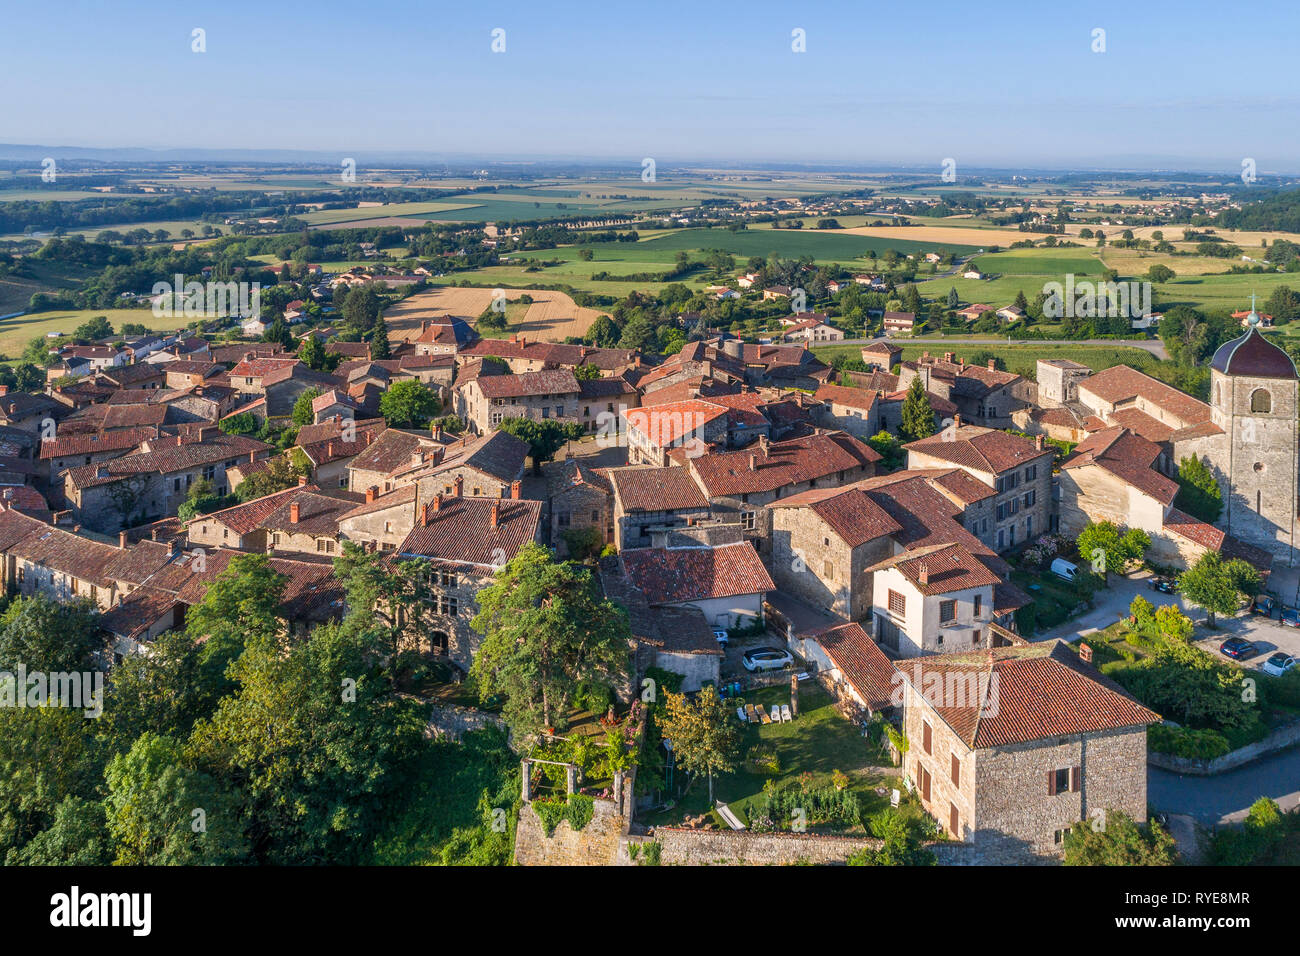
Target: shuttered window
(954,821)
(926,737)
(956,771)
(897,603)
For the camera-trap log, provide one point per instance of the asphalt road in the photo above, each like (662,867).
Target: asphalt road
(1226,798)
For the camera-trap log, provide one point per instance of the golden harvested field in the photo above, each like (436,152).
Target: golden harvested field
(956,235)
(552,317)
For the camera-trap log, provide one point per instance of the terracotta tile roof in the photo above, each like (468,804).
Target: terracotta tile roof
(572,473)
(65,552)
(165,459)
(1007,598)
(862,398)
(1128,457)
(680,575)
(1041,691)
(667,424)
(138,611)
(262,367)
(461,530)
(495,453)
(391,451)
(850,512)
(550,382)
(1140,423)
(940,569)
(122,439)
(981,449)
(656,489)
(318,514)
(687,389)
(861,662)
(402,496)
(23,497)
(779,464)
(250,515)
(1120,384)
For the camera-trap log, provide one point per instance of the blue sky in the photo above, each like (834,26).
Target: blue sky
(1012,85)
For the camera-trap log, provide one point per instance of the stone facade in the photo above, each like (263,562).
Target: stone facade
(812,562)
(1002,801)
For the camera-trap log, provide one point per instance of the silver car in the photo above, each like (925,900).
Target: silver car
(766,659)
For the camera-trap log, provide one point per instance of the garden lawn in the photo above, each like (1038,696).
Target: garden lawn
(817,742)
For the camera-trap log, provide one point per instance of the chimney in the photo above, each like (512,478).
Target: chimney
(4,389)
(329,450)
(753,463)
(153,534)
(437,502)
(516,490)
(424,511)
(252,457)
(295,511)
(437,433)
(1038,442)
(302,481)
(460,486)
(947,357)
(923,574)
(174,547)
(372,493)
(121,540)
(496,513)
(993,365)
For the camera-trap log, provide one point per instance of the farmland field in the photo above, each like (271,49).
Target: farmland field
(827,247)
(552,316)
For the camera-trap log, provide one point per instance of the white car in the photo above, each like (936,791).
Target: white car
(721,635)
(1278,664)
(766,659)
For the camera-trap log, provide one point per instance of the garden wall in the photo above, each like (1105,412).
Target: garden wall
(1279,739)
(596,844)
(452,722)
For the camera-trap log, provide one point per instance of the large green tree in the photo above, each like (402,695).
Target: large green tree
(408,403)
(917,413)
(704,733)
(546,629)
(1218,586)
(1107,548)
(545,436)
(1115,840)
(1198,493)
(46,635)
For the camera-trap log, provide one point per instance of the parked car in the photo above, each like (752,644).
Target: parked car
(1278,664)
(1238,648)
(1290,616)
(1164,585)
(1264,604)
(721,635)
(1065,569)
(766,659)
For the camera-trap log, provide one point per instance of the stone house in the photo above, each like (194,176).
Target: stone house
(487,400)
(155,482)
(464,541)
(1010,747)
(1019,470)
(981,392)
(580,497)
(381,522)
(647,498)
(1058,381)
(851,410)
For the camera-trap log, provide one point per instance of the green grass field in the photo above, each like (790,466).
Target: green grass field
(792,243)
(16,333)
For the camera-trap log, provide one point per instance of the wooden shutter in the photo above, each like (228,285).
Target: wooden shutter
(925,785)
(954,820)
(956,771)
(925,736)
(1074,779)
(1051,783)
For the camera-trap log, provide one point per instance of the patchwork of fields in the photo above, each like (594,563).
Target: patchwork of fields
(552,317)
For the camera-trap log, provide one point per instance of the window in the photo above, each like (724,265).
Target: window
(1261,400)
(563,519)
(954,820)
(947,612)
(448,605)
(1059,836)
(1063,780)
(559,411)
(897,603)
(325,546)
(1029,526)
(977,604)
(747,520)
(923,781)
(927,737)
(956,771)
(828,570)
(1030,498)
(546,412)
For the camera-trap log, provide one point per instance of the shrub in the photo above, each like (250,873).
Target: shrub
(1182,742)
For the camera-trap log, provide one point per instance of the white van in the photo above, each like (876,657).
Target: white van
(1064,569)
